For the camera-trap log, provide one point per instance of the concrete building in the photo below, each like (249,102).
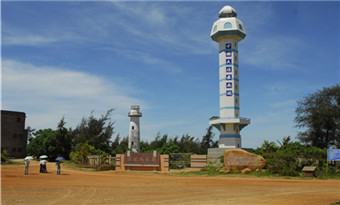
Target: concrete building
(134,130)
(13,133)
(228,31)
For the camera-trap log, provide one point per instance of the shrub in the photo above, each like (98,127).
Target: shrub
(4,156)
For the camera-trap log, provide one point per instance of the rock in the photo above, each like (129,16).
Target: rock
(227,171)
(245,171)
(238,159)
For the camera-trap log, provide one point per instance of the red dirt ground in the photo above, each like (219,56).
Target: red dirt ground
(112,187)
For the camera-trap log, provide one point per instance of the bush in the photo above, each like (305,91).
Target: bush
(291,157)
(4,156)
(83,150)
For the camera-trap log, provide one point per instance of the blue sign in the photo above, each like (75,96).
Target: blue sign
(228,46)
(229,77)
(229,85)
(228,69)
(229,93)
(333,154)
(228,54)
(228,61)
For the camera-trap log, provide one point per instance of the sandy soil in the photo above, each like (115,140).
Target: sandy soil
(112,187)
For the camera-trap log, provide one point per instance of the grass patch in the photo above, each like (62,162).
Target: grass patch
(13,162)
(71,165)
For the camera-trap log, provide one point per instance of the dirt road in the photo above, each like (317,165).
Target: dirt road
(111,187)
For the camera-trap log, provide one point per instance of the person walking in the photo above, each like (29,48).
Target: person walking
(27,163)
(58,167)
(41,166)
(44,166)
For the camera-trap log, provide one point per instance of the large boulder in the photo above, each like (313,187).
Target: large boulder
(238,159)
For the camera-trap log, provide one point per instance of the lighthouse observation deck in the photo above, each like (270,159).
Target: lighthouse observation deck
(134,112)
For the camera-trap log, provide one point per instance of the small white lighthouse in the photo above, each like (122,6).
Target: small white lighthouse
(228,31)
(134,130)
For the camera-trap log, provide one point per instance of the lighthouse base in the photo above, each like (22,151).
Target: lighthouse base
(230,141)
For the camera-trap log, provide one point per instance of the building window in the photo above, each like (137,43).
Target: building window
(20,136)
(227,25)
(15,135)
(14,149)
(19,149)
(132,127)
(215,28)
(241,27)
(20,119)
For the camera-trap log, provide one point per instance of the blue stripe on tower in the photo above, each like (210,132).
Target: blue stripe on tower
(230,136)
(232,94)
(229,65)
(226,50)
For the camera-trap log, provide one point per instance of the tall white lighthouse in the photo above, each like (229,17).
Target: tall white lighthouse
(134,130)
(228,31)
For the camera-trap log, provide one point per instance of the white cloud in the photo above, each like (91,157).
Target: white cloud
(48,93)
(12,36)
(273,53)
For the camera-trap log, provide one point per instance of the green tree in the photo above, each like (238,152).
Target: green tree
(52,143)
(169,147)
(207,141)
(145,147)
(39,144)
(59,143)
(158,142)
(119,146)
(97,132)
(319,113)
(82,151)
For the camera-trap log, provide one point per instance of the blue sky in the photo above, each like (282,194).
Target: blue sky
(66,58)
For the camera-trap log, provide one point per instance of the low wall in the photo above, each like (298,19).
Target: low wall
(197,162)
(95,160)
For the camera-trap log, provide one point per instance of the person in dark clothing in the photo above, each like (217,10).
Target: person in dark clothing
(58,167)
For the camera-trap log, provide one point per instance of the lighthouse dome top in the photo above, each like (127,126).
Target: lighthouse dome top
(227,11)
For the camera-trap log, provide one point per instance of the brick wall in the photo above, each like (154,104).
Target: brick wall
(13,133)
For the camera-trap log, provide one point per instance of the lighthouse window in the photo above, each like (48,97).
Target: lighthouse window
(227,25)
(215,28)
(240,26)
(132,127)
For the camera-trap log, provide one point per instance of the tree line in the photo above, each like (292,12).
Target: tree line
(318,114)
(93,136)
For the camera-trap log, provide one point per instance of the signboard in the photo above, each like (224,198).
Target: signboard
(333,154)
(141,159)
